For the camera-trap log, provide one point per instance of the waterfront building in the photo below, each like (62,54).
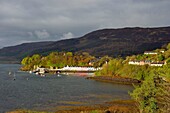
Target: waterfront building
(150,53)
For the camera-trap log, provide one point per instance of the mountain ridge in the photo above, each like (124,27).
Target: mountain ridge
(111,42)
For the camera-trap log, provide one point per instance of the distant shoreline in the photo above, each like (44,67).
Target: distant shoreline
(10,62)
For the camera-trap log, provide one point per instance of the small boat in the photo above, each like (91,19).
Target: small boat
(59,75)
(14,77)
(9,73)
(43,75)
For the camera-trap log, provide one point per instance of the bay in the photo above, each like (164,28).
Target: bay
(21,90)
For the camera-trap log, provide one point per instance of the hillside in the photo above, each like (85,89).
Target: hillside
(112,42)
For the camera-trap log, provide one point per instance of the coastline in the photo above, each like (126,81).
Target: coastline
(115,106)
(115,79)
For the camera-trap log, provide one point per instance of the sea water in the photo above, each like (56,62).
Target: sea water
(22,90)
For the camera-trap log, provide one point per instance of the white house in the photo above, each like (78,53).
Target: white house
(150,53)
(67,68)
(134,62)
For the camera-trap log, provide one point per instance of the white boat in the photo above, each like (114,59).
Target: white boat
(14,76)
(9,73)
(43,75)
(59,75)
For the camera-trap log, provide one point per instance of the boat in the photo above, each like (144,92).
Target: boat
(43,75)
(9,73)
(14,76)
(59,75)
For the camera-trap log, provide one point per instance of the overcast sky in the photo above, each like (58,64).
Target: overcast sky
(41,20)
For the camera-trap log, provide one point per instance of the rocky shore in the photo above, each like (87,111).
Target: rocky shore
(115,79)
(116,106)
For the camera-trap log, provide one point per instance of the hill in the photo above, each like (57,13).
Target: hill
(112,42)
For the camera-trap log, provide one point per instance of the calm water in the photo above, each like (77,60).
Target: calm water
(49,93)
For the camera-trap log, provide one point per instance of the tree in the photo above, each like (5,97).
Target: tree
(26,61)
(36,59)
(167,53)
(168,46)
(111,68)
(163,96)
(160,57)
(153,96)
(145,96)
(69,54)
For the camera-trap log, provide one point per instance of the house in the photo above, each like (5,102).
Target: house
(140,62)
(92,62)
(162,51)
(134,62)
(158,63)
(70,68)
(150,53)
(147,62)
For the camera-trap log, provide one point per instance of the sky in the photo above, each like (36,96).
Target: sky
(24,21)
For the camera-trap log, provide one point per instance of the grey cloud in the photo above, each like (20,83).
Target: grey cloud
(42,34)
(67,36)
(39,20)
